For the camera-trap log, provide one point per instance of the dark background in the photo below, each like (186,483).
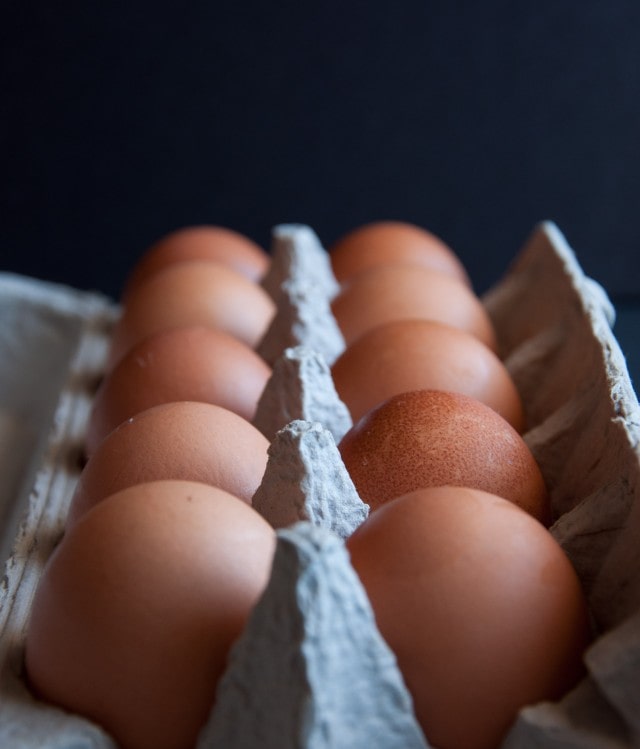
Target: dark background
(124,120)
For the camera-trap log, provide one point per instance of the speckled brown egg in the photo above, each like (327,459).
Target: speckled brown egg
(430,438)
(401,292)
(405,355)
(393,242)
(193,293)
(193,363)
(182,440)
(213,243)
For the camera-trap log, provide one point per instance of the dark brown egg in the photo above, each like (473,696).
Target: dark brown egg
(430,438)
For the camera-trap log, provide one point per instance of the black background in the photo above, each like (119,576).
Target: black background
(124,120)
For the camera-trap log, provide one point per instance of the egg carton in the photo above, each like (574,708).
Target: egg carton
(311,669)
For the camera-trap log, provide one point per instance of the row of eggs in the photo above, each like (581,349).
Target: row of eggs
(172,447)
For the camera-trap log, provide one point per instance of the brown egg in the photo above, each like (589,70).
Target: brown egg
(194,363)
(183,440)
(429,438)
(393,242)
(193,293)
(139,605)
(405,355)
(213,243)
(480,605)
(400,292)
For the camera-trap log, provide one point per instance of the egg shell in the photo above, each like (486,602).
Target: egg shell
(429,438)
(213,243)
(393,242)
(398,292)
(480,605)
(194,363)
(138,607)
(193,293)
(405,355)
(183,440)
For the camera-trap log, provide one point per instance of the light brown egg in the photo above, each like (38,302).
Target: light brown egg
(139,605)
(400,292)
(480,605)
(213,243)
(429,438)
(183,364)
(193,293)
(184,440)
(408,355)
(393,242)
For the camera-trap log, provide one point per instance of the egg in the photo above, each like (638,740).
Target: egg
(193,293)
(214,243)
(405,355)
(393,242)
(139,605)
(429,438)
(399,292)
(183,440)
(194,363)
(480,605)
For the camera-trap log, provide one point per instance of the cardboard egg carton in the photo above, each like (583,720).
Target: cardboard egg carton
(311,669)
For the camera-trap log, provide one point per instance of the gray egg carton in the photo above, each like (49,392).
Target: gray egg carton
(311,670)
